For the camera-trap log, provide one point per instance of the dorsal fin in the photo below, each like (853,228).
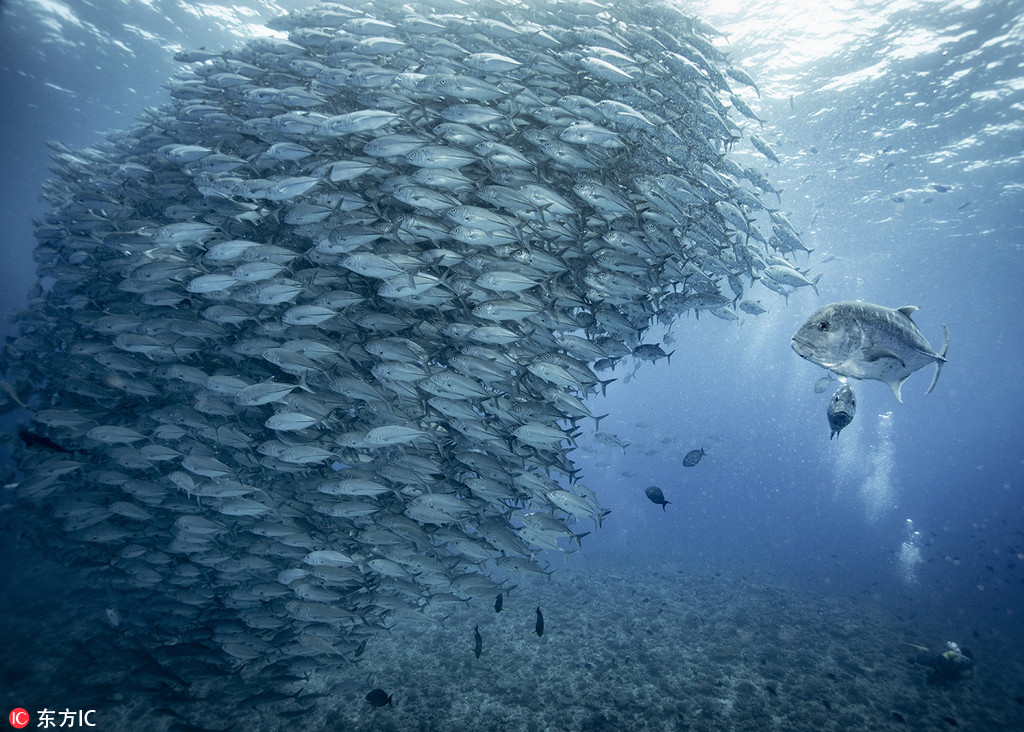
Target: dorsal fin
(908,310)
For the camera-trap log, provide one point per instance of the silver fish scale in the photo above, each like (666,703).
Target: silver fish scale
(337,219)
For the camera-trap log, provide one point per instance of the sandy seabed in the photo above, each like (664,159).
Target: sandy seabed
(654,649)
(663,651)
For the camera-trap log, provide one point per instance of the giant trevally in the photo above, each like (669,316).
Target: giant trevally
(866,341)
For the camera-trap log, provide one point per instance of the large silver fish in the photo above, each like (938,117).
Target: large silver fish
(865,341)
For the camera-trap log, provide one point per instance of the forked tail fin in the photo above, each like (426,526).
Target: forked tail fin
(940,360)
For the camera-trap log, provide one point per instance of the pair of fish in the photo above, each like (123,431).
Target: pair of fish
(478,641)
(865,341)
(656,495)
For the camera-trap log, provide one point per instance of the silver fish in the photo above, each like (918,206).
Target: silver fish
(865,341)
(325,322)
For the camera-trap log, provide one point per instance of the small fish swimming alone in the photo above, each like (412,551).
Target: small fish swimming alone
(841,408)
(498,603)
(866,341)
(654,493)
(539,627)
(113,617)
(15,399)
(693,457)
(478,642)
(378,698)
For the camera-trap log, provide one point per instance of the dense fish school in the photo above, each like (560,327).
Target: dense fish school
(312,342)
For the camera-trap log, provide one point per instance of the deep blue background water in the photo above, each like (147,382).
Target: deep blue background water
(901,133)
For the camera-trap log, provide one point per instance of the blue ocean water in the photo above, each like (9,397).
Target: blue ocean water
(899,127)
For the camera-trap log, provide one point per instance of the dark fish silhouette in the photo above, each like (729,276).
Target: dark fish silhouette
(841,408)
(478,642)
(693,457)
(33,440)
(497,603)
(378,698)
(539,628)
(654,493)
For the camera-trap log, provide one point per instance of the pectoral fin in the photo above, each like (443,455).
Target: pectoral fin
(877,354)
(896,386)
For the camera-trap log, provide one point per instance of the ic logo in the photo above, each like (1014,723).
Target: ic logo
(18,718)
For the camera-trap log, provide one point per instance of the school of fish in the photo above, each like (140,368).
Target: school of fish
(312,341)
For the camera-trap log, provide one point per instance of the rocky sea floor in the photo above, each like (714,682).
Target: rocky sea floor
(646,650)
(664,651)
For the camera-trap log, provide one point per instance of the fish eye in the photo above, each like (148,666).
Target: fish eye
(823,326)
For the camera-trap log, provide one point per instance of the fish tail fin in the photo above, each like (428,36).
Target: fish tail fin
(664,503)
(601,515)
(940,360)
